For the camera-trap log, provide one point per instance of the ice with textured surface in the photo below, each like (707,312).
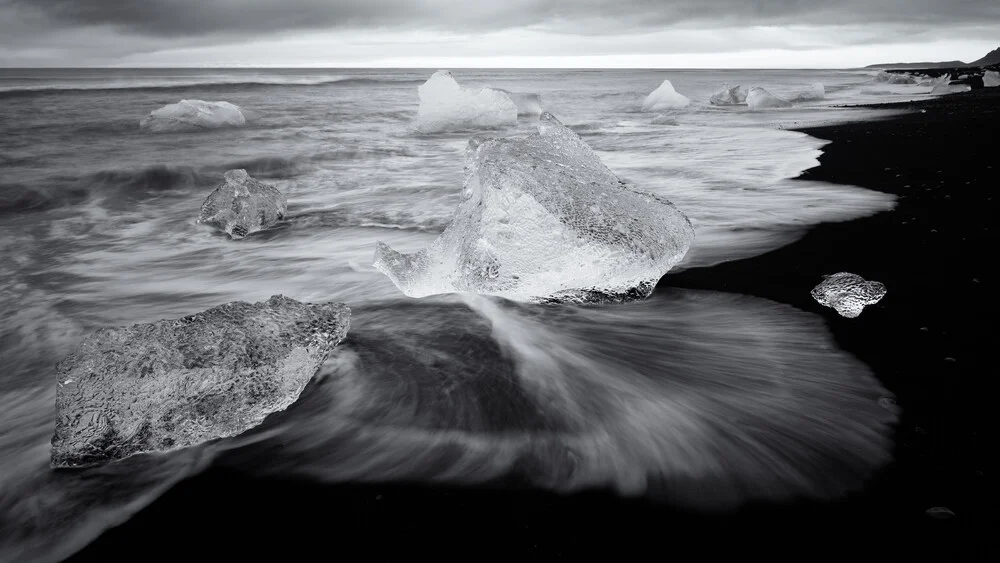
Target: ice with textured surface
(445,106)
(544,219)
(191,115)
(848,293)
(176,383)
(729,96)
(242,205)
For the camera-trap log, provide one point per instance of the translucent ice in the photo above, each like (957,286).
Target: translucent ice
(759,98)
(544,219)
(729,96)
(188,115)
(526,102)
(444,106)
(895,78)
(991,78)
(847,293)
(242,205)
(814,92)
(180,382)
(665,97)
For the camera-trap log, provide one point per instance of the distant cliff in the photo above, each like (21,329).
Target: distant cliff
(991,58)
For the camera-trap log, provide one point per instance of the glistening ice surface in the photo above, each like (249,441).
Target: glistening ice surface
(543,218)
(98,228)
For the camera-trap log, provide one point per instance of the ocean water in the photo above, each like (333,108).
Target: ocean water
(698,398)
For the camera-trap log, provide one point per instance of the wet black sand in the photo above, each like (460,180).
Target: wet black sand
(928,341)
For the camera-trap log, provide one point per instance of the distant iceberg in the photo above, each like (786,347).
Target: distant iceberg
(759,98)
(815,91)
(991,79)
(192,115)
(543,219)
(526,102)
(729,96)
(447,106)
(895,78)
(665,97)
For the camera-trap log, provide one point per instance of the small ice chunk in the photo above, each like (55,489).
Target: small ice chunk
(729,96)
(895,78)
(665,97)
(847,293)
(815,91)
(940,512)
(190,115)
(991,78)
(759,98)
(526,102)
(447,106)
(544,219)
(242,205)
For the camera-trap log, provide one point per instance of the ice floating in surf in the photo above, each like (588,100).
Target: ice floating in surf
(188,115)
(729,96)
(815,91)
(177,383)
(543,218)
(665,97)
(445,105)
(848,293)
(991,79)
(759,98)
(894,78)
(242,205)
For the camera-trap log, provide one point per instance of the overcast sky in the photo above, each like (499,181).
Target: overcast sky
(495,33)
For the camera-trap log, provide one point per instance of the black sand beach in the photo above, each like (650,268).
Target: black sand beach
(926,341)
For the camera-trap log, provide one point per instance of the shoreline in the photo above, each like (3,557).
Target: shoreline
(928,275)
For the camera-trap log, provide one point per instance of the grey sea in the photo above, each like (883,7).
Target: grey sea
(701,399)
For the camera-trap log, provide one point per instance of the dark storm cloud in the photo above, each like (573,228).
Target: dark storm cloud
(171,18)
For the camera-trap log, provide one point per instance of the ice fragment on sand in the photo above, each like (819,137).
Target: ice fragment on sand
(991,79)
(946,88)
(940,512)
(543,218)
(665,97)
(242,205)
(729,96)
(759,98)
(188,115)
(176,383)
(444,105)
(847,293)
